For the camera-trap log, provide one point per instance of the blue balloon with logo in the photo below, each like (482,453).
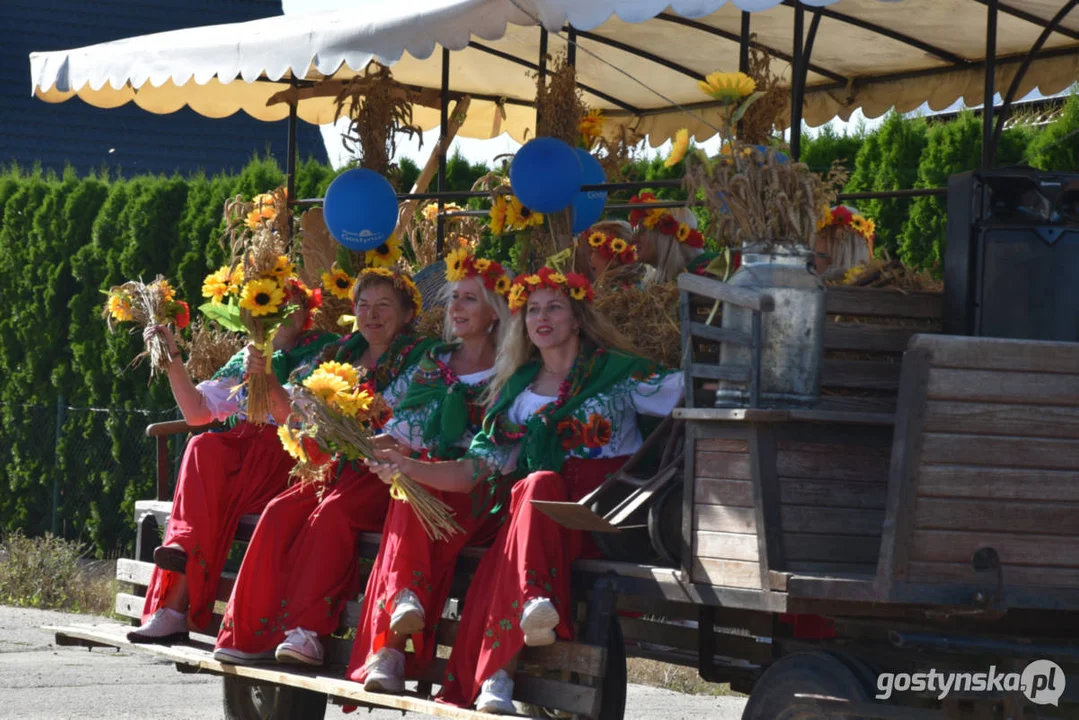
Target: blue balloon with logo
(360,209)
(546,175)
(588,205)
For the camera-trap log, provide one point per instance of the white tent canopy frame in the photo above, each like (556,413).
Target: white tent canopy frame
(637,60)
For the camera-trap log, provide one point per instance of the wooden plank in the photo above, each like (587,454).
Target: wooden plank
(798,491)
(838,467)
(849,587)
(720,372)
(860,374)
(722,465)
(997,483)
(832,521)
(138,573)
(1048,421)
(881,403)
(174,427)
(858,337)
(829,548)
(879,302)
(762,452)
(1015,516)
(856,441)
(1003,386)
(730,414)
(707,444)
(719,518)
(730,573)
(725,292)
(823,567)
(692,444)
(727,546)
(875,412)
(719,334)
(1014,549)
(638,630)
(1001,451)
(1014,575)
(1001,354)
(737,493)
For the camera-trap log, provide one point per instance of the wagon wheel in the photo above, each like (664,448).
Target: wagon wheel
(631,544)
(665,523)
(247,699)
(808,673)
(612,687)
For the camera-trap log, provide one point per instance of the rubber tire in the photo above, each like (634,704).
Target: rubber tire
(246,699)
(665,523)
(808,673)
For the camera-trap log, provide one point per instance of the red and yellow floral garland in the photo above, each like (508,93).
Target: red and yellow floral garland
(662,220)
(612,246)
(841,216)
(572,285)
(462,264)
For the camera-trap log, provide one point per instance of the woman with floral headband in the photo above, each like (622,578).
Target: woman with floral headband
(666,238)
(844,240)
(436,420)
(300,567)
(612,255)
(566,396)
(224,474)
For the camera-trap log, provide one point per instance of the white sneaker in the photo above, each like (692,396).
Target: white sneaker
(300,646)
(164,626)
(538,621)
(385,671)
(408,615)
(232,656)
(496,695)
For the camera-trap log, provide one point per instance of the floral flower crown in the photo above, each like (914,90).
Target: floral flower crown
(612,246)
(312,298)
(400,282)
(461,264)
(842,216)
(662,220)
(572,285)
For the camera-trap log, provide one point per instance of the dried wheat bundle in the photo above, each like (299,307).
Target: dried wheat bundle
(770,110)
(648,317)
(209,349)
(145,305)
(431,321)
(378,109)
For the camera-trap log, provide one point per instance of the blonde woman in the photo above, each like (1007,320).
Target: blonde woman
(565,399)
(612,256)
(666,238)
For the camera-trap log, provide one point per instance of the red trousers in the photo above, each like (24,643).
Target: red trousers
(300,568)
(409,559)
(530,558)
(223,475)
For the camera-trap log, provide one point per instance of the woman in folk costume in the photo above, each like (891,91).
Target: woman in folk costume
(300,567)
(224,474)
(437,419)
(567,396)
(666,238)
(612,255)
(844,240)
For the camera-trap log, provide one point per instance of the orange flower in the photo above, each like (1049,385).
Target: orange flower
(570,431)
(597,432)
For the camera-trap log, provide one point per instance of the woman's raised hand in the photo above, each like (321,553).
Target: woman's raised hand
(254,360)
(150,331)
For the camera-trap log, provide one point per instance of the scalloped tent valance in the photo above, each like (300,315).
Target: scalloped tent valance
(638,60)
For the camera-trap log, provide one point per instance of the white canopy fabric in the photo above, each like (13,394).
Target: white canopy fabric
(869,54)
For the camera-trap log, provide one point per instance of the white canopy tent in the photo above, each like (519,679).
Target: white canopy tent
(638,60)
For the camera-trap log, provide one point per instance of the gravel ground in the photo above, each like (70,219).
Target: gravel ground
(40,680)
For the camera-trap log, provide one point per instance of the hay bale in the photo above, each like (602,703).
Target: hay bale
(647,317)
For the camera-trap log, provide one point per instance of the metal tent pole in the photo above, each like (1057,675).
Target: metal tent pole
(443,123)
(743,52)
(990,82)
(542,66)
(571,50)
(290,163)
(796,79)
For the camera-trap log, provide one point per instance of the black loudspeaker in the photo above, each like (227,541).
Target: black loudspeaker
(1011,263)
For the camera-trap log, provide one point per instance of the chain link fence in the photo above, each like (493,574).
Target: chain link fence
(77,471)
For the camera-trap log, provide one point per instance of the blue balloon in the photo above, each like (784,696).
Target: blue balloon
(588,206)
(360,209)
(545,175)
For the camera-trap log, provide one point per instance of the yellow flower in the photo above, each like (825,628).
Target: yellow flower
(533,280)
(291,443)
(557,278)
(353,403)
(728,87)
(216,285)
(430,212)
(385,255)
(167,293)
(826,219)
(481,265)
(591,126)
(325,385)
(282,267)
(618,245)
(262,297)
(678,148)
(253,219)
(236,280)
(578,293)
(863,225)
(119,307)
(519,217)
(683,232)
(498,215)
(652,218)
(381,272)
(346,372)
(518,297)
(455,265)
(853,274)
(502,285)
(597,239)
(337,283)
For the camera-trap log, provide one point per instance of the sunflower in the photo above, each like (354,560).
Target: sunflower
(683,232)
(826,219)
(338,283)
(862,225)
(618,245)
(325,385)
(597,239)
(430,212)
(262,297)
(578,293)
(557,278)
(385,255)
(498,215)
(346,372)
(520,217)
(517,298)
(236,280)
(119,307)
(282,267)
(533,280)
(653,218)
(502,285)
(216,285)
(291,443)
(353,403)
(727,87)
(482,265)
(456,269)
(678,148)
(591,127)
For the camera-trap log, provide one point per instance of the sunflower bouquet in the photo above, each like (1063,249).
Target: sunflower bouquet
(335,410)
(250,294)
(144,305)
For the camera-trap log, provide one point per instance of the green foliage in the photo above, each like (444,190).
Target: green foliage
(828,147)
(1055,148)
(46,572)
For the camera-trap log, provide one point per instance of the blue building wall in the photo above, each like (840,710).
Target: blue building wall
(126,139)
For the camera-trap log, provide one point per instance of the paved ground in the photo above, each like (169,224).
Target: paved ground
(40,680)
